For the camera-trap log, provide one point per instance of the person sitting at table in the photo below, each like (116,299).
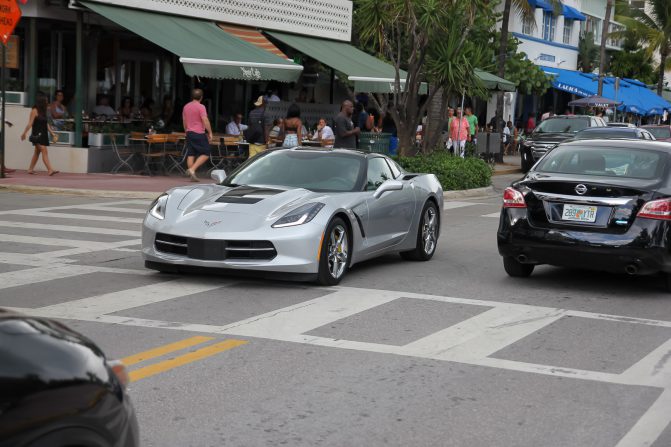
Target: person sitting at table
(324,133)
(57,111)
(236,127)
(103,108)
(147,109)
(127,111)
(166,115)
(292,128)
(275,132)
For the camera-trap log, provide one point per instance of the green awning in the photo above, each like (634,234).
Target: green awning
(368,73)
(495,83)
(203,48)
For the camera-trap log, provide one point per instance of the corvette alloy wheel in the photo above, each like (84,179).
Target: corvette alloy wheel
(338,251)
(429,230)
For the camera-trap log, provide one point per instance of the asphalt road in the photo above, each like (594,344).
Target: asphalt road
(446,353)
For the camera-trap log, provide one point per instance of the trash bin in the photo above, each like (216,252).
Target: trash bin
(374,142)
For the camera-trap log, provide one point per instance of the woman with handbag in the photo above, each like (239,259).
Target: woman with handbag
(39,136)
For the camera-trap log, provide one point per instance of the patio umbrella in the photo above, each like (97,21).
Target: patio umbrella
(595,101)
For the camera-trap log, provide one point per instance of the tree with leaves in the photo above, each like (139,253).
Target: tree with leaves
(655,27)
(588,52)
(426,38)
(633,61)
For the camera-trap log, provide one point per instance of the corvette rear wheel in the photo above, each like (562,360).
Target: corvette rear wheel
(427,235)
(335,253)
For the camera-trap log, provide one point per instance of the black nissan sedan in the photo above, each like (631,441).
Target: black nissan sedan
(593,204)
(57,389)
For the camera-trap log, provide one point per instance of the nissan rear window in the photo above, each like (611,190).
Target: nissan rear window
(605,161)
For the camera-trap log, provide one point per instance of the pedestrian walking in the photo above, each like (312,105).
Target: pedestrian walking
(198,134)
(40,128)
(459,133)
(293,127)
(472,125)
(345,132)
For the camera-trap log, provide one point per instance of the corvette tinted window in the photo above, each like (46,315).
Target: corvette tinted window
(378,173)
(316,171)
(602,161)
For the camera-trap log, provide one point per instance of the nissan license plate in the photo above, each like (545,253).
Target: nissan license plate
(579,213)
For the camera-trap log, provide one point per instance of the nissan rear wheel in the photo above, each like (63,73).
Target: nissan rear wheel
(335,253)
(427,235)
(516,269)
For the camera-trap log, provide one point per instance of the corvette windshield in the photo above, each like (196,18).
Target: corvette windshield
(316,171)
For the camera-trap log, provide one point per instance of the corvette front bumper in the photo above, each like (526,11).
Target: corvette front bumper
(297,248)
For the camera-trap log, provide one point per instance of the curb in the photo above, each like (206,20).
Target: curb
(81,192)
(464,193)
(508,171)
(470,193)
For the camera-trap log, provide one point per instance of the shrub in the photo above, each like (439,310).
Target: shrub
(454,173)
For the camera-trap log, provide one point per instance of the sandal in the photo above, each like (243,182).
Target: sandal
(32,172)
(53,172)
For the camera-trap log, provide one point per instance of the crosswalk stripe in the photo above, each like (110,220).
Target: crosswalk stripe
(496,215)
(68,228)
(454,205)
(56,242)
(47,215)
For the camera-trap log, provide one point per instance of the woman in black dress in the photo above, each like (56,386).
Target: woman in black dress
(40,135)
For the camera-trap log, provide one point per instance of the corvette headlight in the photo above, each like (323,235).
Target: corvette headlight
(157,208)
(299,216)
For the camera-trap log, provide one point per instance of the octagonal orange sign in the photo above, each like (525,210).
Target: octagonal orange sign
(10,13)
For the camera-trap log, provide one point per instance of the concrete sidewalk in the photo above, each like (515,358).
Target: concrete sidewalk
(145,187)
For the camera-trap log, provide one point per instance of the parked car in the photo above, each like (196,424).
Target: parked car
(661,132)
(603,205)
(305,212)
(58,389)
(609,124)
(552,131)
(613,133)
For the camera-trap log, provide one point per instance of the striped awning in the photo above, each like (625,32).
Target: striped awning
(252,36)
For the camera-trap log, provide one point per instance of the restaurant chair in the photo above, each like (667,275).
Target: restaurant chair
(155,153)
(123,157)
(176,157)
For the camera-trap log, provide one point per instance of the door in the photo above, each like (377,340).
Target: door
(389,216)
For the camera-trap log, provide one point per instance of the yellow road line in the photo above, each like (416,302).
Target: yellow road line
(165,349)
(185,359)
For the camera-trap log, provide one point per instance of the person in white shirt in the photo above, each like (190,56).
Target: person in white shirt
(236,127)
(324,133)
(507,137)
(103,108)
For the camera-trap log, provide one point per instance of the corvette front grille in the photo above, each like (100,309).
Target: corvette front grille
(215,249)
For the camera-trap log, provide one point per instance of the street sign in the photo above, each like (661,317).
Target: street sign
(10,13)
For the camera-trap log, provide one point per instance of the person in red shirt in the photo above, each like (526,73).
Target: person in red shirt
(198,134)
(531,124)
(460,132)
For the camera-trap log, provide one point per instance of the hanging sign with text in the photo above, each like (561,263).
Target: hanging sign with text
(10,13)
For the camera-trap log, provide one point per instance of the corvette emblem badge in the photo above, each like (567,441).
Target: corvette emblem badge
(209,224)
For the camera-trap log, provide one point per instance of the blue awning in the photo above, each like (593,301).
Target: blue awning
(570,13)
(572,81)
(635,96)
(543,4)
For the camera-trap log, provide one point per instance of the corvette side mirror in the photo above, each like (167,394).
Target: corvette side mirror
(389,185)
(218,175)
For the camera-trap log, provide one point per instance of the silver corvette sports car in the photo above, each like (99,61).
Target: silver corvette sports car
(303,211)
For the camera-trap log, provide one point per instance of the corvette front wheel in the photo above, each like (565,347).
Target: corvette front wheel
(335,253)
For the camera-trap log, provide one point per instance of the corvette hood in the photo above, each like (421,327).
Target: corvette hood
(239,208)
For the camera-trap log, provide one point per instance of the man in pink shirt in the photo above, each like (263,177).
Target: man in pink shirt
(459,132)
(198,134)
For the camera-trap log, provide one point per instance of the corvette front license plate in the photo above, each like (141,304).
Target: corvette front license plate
(579,213)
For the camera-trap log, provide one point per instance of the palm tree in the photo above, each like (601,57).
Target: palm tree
(655,26)
(587,52)
(602,52)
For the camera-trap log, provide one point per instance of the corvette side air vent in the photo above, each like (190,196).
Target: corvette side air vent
(239,200)
(409,176)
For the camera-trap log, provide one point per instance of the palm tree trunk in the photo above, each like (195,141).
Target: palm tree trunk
(663,55)
(501,60)
(604,37)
